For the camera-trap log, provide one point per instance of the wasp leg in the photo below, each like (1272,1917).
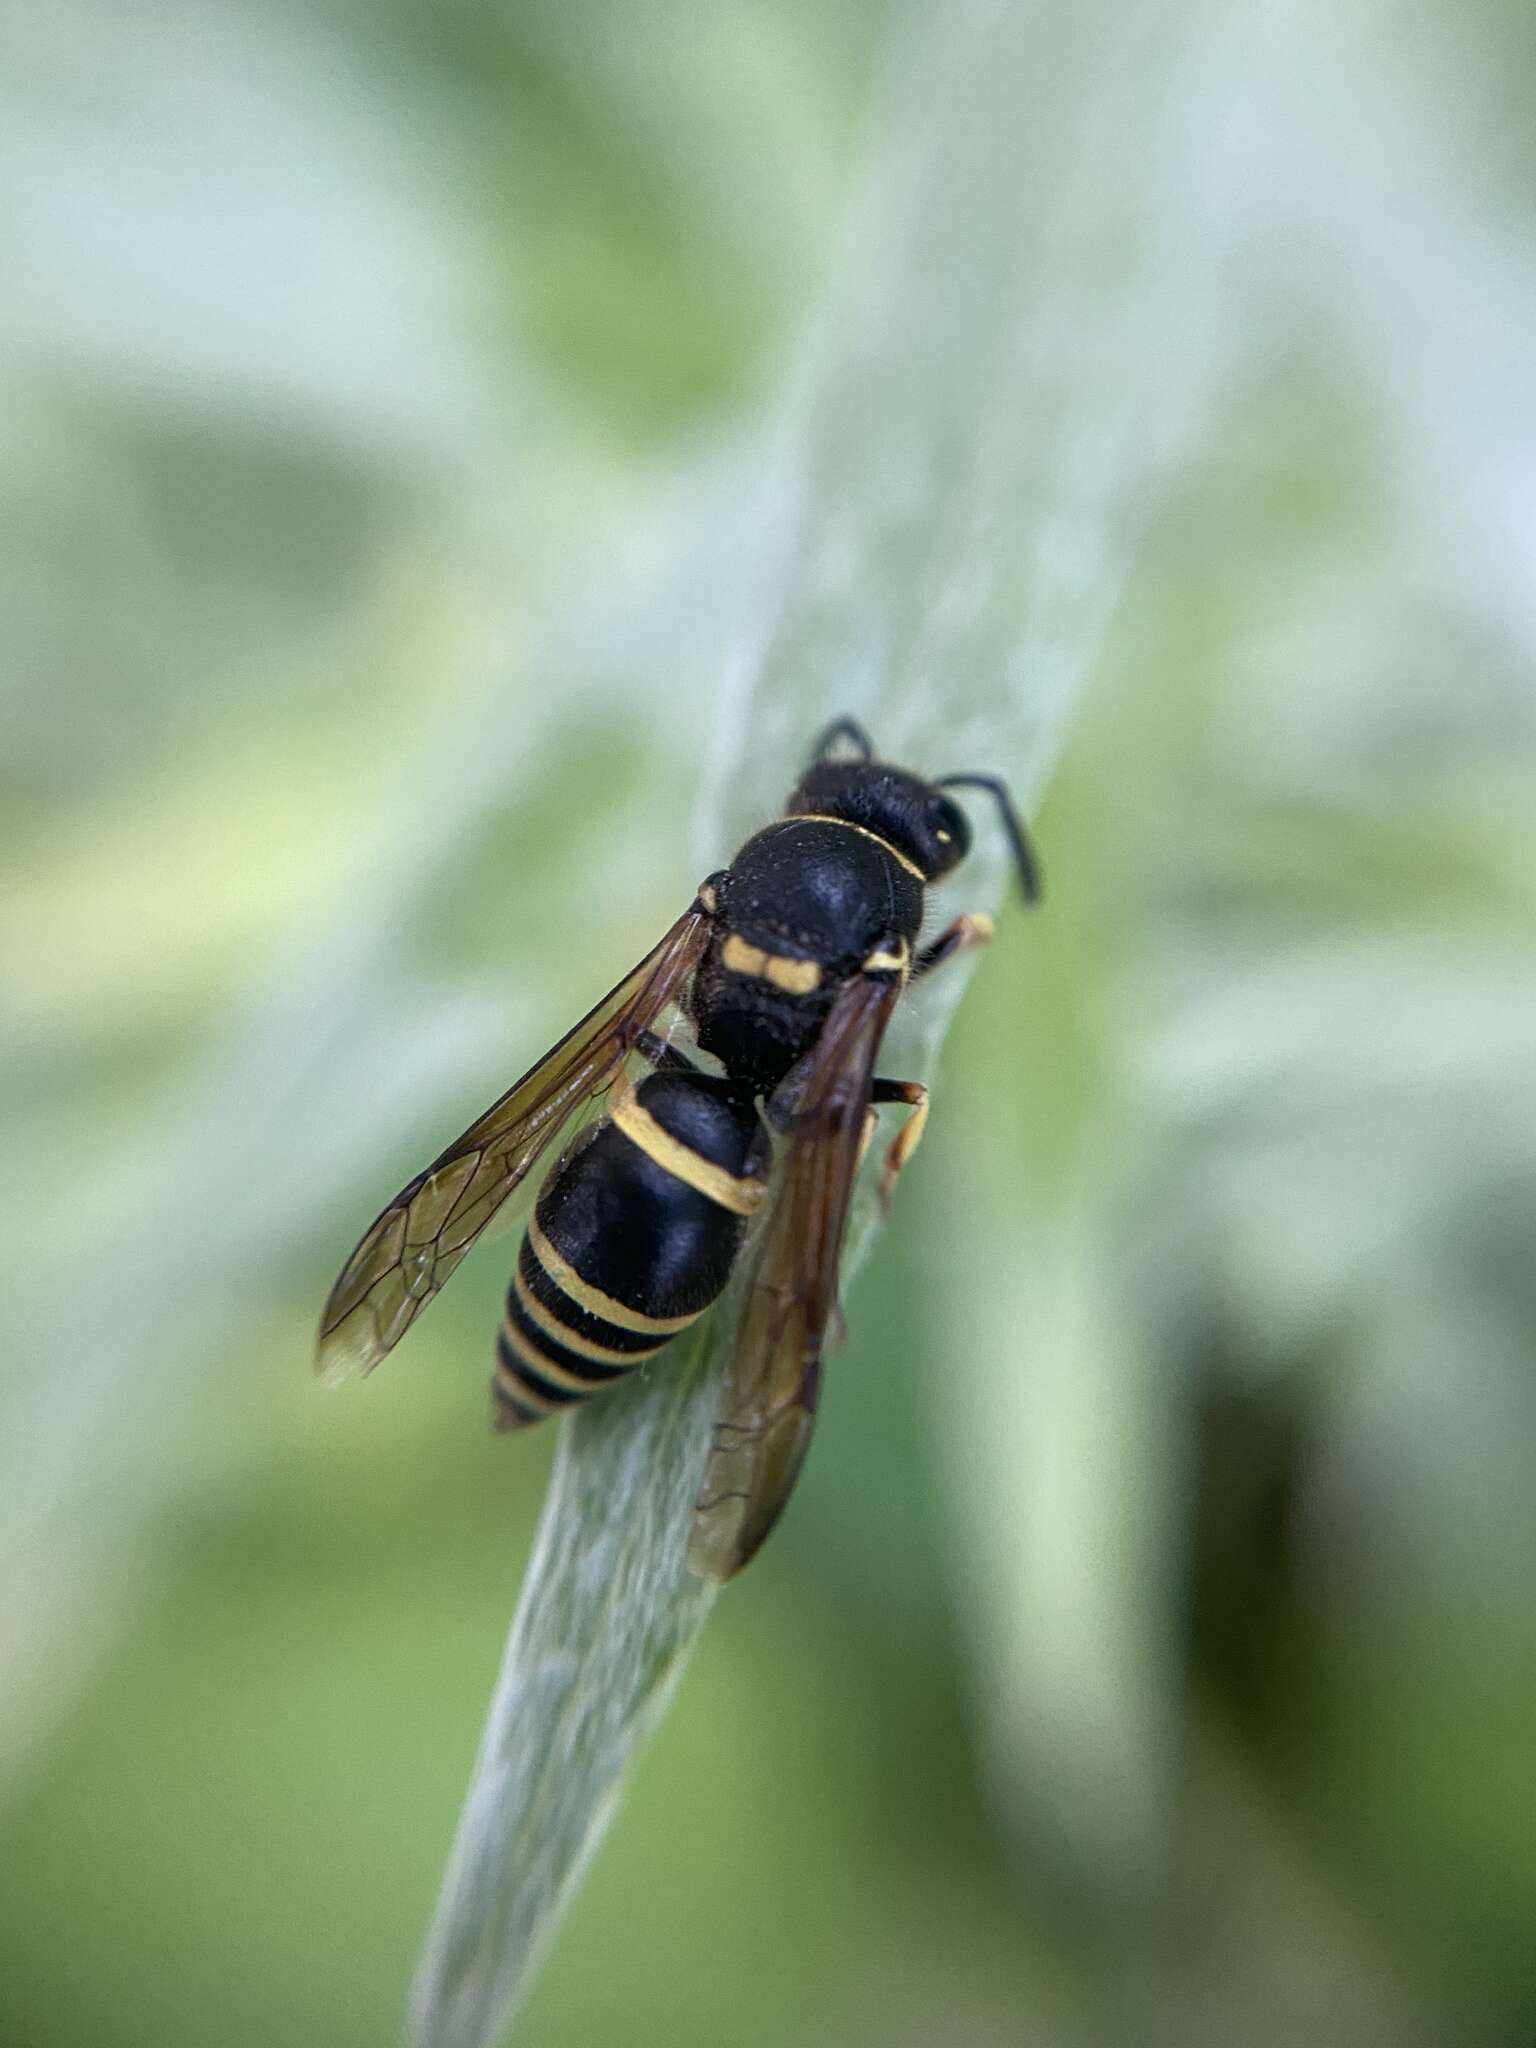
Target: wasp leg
(973,928)
(914,1096)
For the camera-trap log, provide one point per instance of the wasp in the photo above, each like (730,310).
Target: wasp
(788,965)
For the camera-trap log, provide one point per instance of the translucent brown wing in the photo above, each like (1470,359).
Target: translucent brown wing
(416,1244)
(768,1400)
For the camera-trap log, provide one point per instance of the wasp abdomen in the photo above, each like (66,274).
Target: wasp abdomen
(633,1237)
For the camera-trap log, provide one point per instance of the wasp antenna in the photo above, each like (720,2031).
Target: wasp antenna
(1018,839)
(844,729)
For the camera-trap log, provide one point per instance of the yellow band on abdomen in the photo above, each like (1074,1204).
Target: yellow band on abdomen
(738,1193)
(593,1299)
(549,1323)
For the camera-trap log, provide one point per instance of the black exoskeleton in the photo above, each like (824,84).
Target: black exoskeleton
(789,963)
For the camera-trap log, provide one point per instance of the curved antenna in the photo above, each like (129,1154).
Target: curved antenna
(844,729)
(1018,839)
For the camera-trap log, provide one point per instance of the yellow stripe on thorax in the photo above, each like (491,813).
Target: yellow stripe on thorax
(826,818)
(795,977)
(593,1299)
(739,1193)
(881,962)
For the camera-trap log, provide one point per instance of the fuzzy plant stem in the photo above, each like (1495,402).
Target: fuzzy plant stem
(1012,349)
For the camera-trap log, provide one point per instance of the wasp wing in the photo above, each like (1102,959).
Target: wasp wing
(415,1245)
(768,1400)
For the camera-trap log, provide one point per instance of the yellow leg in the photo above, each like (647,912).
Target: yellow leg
(914,1096)
(972,928)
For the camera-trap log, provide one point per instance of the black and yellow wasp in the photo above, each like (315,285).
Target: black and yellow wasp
(788,963)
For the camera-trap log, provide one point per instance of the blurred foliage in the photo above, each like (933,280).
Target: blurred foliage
(1148,1657)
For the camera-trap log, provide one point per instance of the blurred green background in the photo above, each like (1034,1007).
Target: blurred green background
(1149,1655)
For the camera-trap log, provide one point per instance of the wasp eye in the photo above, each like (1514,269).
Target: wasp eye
(949,834)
